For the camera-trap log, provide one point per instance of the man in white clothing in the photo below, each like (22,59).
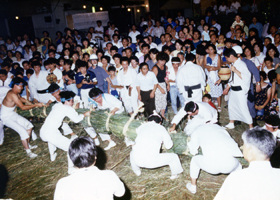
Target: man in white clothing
(190,80)
(219,152)
(202,113)
(38,85)
(133,34)
(239,84)
(259,180)
(146,151)
(88,182)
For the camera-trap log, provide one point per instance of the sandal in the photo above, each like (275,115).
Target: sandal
(219,109)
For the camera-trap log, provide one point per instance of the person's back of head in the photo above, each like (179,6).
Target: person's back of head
(190,57)
(155,117)
(83,152)
(191,107)
(259,144)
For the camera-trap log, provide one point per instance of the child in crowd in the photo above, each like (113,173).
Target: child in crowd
(221,44)
(205,33)
(208,99)
(69,77)
(112,89)
(274,107)
(268,65)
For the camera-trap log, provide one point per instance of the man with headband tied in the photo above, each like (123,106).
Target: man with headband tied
(14,121)
(49,131)
(146,151)
(202,113)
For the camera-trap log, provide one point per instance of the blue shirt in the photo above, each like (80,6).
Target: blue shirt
(195,44)
(253,70)
(101,75)
(79,77)
(258,26)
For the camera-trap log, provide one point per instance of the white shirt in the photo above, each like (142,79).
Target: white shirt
(38,83)
(172,75)
(245,74)
(205,112)
(181,20)
(111,32)
(153,45)
(236,5)
(146,82)
(110,102)
(217,26)
(59,48)
(149,138)
(99,29)
(214,140)
(118,44)
(190,74)
(127,79)
(261,58)
(257,182)
(6,82)
(159,47)
(158,31)
(89,183)
(133,36)
(222,8)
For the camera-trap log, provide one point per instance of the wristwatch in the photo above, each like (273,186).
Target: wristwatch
(258,83)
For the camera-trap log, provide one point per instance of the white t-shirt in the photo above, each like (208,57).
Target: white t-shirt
(133,36)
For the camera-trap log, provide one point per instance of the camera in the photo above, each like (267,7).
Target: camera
(87,78)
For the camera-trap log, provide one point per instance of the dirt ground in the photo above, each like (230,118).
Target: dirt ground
(36,178)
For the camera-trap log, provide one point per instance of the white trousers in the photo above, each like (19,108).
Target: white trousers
(1,130)
(56,140)
(18,124)
(130,102)
(162,159)
(196,96)
(213,165)
(84,97)
(44,98)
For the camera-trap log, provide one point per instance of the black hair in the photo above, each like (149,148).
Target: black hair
(153,51)
(263,75)
(143,64)
(66,95)
(128,48)
(162,56)
(268,58)
(125,59)
(36,54)
(52,61)
(190,43)
(14,64)
(155,117)
(190,57)
(17,80)
(83,152)
(35,63)
(134,58)
(25,62)
(165,48)
(30,71)
(117,56)
(272,46)
(250,49)
(111,68)
(145,45)
(82,64)
(201,50)
(273,120)
(4,72)
(259,44)
(107,58)
(191,107)
(271,75)
(213,46)
(116,35)
(5,64)
(68,62)
(53,87)
(208,96)
(229,52)
(114,48)
(94,92)
(46,32)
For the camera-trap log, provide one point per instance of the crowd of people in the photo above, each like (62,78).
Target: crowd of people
(160,62)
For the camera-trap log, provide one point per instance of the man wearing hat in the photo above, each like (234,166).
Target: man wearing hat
(13,120)
(239,84)
(174,92)
(190,80)
(100,73)
(254,72)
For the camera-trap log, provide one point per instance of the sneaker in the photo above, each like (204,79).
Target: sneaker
(191,188)
(219,109)
(33,135)
(53,157)
(32,147)
(128,142)
(230,126)
(110,145)
(96,141)
(32,155)
(73,137)
(174,176)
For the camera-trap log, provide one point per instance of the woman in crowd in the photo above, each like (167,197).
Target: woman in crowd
(262,100)
(163,86)
(212,64)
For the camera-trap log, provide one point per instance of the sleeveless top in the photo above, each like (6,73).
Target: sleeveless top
(161,74)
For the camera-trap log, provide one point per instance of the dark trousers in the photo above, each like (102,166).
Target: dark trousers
(148,102)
